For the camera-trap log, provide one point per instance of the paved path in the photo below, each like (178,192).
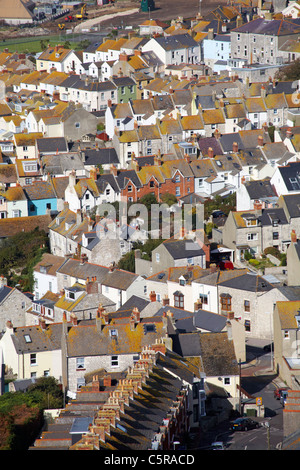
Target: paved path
(87,24)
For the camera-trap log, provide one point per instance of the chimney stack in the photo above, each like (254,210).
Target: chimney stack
(210,152)
(235,147)
(293,237)
(166,300)
(152,296)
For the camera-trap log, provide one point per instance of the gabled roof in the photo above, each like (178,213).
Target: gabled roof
(175,42)
(179,249)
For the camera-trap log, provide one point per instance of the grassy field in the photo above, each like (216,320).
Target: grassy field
(32,45)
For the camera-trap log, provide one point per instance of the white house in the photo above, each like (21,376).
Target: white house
(177,49)
(44,275)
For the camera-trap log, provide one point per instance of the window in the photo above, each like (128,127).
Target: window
(114,361)
(27,338)
(157,257)
(33,361)
(247,305)
(275,235)
(77,125)
(252,236)
(179,300)
(204,298)
(113,333)
(80,382)
(80,363)
(226,302)
(190,261)
(226,380)
(286,334)
(177,179)
(247,325)
(177,191)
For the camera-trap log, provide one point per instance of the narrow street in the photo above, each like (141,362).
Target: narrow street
(258,380)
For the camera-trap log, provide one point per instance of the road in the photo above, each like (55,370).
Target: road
(258,380)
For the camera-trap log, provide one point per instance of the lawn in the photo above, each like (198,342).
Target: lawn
(32,45)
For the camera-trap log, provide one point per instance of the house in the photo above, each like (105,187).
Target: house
(293,260)
(60,59)
(177,49)
(28,171)
(286,180)
(14,203)
(41,197)
(126,88)
(119,285)
(290,205)
(259,40)
(254,230)
(108,342)
(175,252)
(44,273)
(13,304)
(79,301)
(25,144)
(82,193)
(118,116)
(286,356)
(33,351)
(216,50)
(255,193)
(92,95)
(151,27)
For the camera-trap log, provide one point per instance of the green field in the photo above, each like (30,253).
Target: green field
(32,45)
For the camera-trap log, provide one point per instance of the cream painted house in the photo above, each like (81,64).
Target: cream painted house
(33,351)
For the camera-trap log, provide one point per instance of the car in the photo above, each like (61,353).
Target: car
(244,424)
(218,445)
(283,397)
(277,392)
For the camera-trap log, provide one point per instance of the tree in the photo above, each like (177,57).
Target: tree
(289,72)
(169,199)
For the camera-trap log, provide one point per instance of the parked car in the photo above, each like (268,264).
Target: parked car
(277,392)
(218,445)
(244,424)
(283,397)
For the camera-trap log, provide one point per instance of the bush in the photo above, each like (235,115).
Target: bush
(248,256)
(254,262)
(271,250)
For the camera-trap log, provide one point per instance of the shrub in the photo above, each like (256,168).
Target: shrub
(271,250)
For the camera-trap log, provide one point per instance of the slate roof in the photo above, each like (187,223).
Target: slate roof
(119,279)
(179,249)
(180,41)
(41,340)
(290,171)
(270,215)
(260,189)
(75,268)
(292,203)
(273,27)
(52,145)
(86,339)
(249,282)
(101,156)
